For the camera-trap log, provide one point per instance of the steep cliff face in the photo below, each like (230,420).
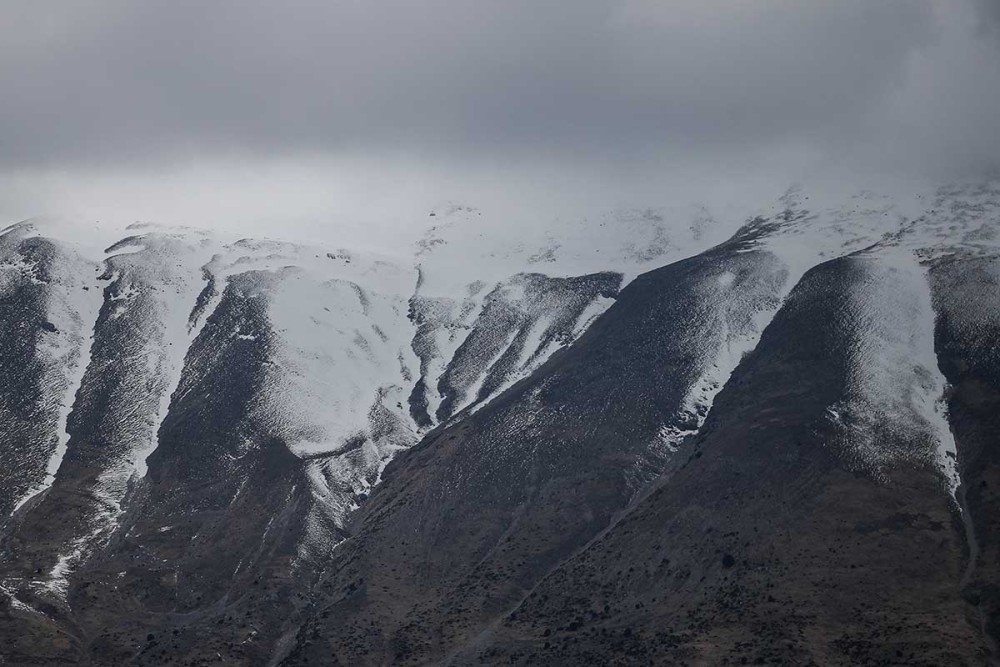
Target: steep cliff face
(773,443)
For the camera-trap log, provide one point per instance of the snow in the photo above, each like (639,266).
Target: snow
(333,361)
(56,581)
(892,413)
(591,313)
(72,310)
(58,575)
(467,244)
(801,230)
(369,354)
(477,304)
(168,267)
(338,331)
(473,390)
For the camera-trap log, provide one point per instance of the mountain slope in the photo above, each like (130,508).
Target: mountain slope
(643,442)
(780,535)
(833,452)
(236,399)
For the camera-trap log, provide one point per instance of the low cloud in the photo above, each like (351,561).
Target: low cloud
(592,94)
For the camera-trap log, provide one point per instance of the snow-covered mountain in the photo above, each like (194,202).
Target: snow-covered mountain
(196,430)
(363,352)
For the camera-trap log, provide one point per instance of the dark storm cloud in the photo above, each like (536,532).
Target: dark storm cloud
(141,80)
(989,12)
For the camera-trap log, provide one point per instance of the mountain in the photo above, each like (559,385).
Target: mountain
(650,437)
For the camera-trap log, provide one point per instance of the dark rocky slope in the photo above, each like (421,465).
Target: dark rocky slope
(469,521)
(735,463)
(763,547)
(967,291)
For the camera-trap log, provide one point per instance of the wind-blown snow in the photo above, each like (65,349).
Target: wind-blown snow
(340,349)
(368,350)
(72,299)
(798,233)
(466,274)
(893,411)
(74,316)
(176,284)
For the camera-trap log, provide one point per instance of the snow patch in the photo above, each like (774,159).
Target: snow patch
(73,301)
(893,413)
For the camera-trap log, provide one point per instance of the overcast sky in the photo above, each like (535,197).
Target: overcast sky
(194,109)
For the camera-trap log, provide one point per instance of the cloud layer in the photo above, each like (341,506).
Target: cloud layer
(610,86)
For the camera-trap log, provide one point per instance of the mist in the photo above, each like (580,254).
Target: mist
(352,121)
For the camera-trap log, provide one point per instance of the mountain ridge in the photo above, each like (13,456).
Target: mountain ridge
(269,476)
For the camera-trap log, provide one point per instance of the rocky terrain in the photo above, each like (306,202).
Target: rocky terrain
(652,438)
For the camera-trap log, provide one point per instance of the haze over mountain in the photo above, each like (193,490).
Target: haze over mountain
(617,332)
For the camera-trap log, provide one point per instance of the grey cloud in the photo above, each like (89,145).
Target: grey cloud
(989,14)
(124,79)
(120,82)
